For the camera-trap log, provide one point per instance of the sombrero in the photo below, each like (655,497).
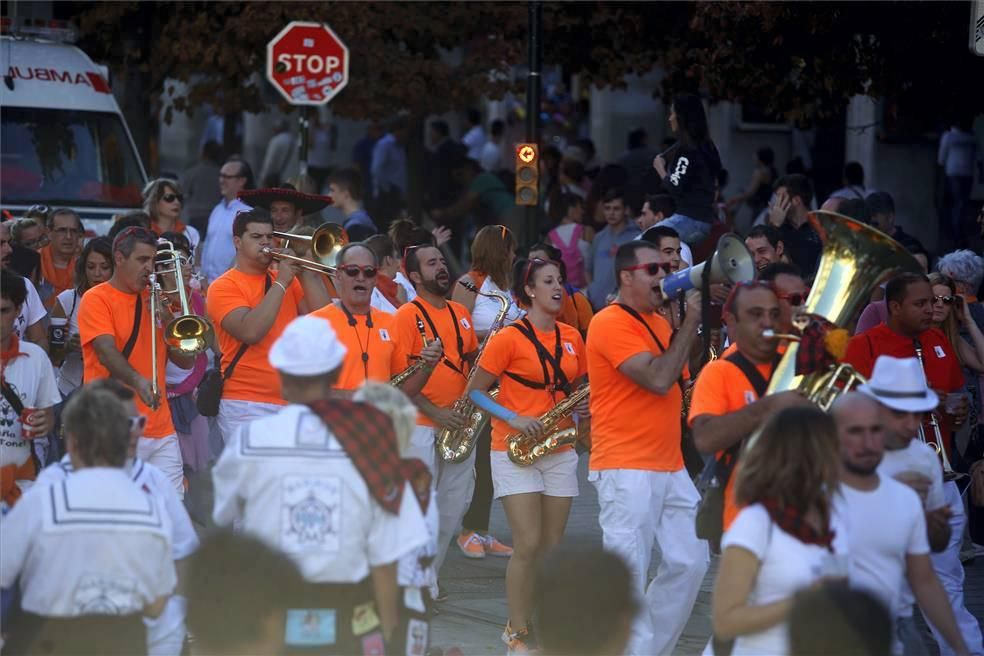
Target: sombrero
(263,198)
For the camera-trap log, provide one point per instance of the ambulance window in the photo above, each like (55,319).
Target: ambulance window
(71,158)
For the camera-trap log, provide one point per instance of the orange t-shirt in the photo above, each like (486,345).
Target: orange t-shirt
(511,351)
(631,428)
(60,279)
(105,310)
(378,343)
(575,310)
(722,388)
(445,385)
(253,378)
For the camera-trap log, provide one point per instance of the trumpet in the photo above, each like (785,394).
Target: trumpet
(937,444)
(524,450)
(187,333)
(326,242)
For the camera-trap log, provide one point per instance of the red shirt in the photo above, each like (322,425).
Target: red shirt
(939,358)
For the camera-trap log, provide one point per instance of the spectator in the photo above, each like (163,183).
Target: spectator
(491,157)
(485,197)
(362,157)
(788,212)
(600,265)
(218,252)
(853,183)
(162,200)
(323,136)
(638,161)
(573,585)
(389,172)
(572,239)
(198,183)
(278,154)
(58,257)
(837,619)
(29,324)
(880,207)
(765,244)
(474,138)
(345,188)
(30,234)
(759,190)
(854,208)
(956,157)
(441,189)
(134,219)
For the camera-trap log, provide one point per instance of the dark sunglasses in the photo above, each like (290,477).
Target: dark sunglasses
(535,262)
(652,268)
(170,198)
(947,300)
(353,270)
(794,299)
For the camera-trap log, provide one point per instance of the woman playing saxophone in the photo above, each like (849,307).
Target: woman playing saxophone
(537,362)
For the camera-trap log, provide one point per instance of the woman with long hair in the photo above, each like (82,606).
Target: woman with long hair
(492,252)
(163,201)
(689,170)
(783,539)
(94,266)
(575,307)
(537,362)
(951,314)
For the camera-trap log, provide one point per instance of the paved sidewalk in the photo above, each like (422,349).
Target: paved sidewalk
(474,615)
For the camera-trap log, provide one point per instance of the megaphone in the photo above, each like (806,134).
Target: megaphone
(731,262)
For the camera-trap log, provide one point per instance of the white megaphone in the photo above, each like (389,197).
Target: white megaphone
(731,262)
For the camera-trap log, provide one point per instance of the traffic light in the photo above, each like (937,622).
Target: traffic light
(527,174)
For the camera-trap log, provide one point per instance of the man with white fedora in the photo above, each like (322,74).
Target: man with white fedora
(899,386)
(320,480)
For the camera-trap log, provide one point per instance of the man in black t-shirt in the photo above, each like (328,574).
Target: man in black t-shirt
(788,212)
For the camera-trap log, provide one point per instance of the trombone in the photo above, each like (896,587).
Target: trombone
(328,239)
(187,333)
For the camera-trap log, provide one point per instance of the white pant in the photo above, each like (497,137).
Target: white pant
(455,485)
(166,633)
(422,446)
(165,454)
(233,414)
(951,573)
(639,508)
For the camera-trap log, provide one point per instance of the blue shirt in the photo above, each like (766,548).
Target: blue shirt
(601,262)
(389,165)
(219,252)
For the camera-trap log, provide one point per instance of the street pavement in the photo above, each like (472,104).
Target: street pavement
(474,614)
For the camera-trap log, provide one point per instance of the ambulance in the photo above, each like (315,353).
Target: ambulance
(63,139)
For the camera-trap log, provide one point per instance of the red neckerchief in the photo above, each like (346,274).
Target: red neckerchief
(791,520)
(387,287)
(60,279)
(8,355)
(368,438)
(179,228)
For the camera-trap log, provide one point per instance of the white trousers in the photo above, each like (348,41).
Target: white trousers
(165,454)
(233,414)
(422,446)
(166,633)
(455,486)
(951,573)
(637,509)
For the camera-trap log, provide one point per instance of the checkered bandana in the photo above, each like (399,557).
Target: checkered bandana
(791,521)
(813,354)
(368,438)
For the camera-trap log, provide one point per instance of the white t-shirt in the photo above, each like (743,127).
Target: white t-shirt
(31,312)
(69,375)
(184,539)
(487,309)
(474,139)
(288,481)
(404,282)
(411,571)
(884,526)
(94,543)
(491,157)
(32,378)
(379,302)
(787,566)
(956,154)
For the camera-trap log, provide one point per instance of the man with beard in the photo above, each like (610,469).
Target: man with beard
(451,323)
(369,337)
(885,522)
(249,306)
(644,492)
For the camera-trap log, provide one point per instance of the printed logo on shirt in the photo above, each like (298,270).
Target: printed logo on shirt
(310,514)
(97,594)
(569,348)
(679,171)
(940,353)
(384,335)
(464,323)
(749,397)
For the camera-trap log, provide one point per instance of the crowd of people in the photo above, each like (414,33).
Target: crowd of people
(290,477)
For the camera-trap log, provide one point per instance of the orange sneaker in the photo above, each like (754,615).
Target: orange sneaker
(471,544)
(518,642)
(495,548)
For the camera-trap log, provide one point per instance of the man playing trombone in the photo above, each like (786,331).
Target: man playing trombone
(249,306)
(115,329)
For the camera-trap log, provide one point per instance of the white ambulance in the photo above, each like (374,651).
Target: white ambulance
(63,139)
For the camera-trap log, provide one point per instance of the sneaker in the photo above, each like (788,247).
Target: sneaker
(495,548)
(472,545)
(517,642)
(441,595)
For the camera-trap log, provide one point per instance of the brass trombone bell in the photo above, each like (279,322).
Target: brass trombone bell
(327,240)
(303,262)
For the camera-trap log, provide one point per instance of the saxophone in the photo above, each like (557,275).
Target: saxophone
(524,450)
(407,373)
(456,445)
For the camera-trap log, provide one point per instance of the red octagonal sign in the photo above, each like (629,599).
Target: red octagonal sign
(307,63)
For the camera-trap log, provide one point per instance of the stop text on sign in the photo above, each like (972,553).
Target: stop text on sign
(307,63)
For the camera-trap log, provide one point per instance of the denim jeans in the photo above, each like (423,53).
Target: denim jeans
(691,231)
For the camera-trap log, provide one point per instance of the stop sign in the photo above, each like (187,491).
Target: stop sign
(307,63)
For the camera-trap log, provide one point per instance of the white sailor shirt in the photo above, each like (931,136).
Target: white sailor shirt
(289,482)
(92,544)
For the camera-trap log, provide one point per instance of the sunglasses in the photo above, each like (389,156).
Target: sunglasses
(794,299)
(536,262)
(137,423)
(652,268)
(170,198)
(947,300)
(353,270)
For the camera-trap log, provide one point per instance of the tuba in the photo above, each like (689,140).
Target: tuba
(456,445)
(524,450)
(854,260)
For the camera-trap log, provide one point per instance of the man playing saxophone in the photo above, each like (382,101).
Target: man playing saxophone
(537,361)
(450,323)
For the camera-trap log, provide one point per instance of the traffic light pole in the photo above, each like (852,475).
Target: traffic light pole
(534,87)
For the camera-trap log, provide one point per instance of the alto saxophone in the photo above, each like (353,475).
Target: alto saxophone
(456,445)
(407,373)
(524,450)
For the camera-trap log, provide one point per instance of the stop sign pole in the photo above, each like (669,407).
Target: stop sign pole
(308,65)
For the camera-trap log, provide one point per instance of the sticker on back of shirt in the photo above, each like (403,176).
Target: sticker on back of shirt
(940,353)
(310,514)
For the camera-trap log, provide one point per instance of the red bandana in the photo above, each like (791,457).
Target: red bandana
(179,228)
(387,287)
(8,355)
